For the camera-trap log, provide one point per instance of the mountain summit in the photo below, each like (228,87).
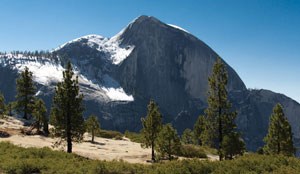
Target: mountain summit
(147,59)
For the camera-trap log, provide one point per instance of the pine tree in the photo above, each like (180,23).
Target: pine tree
(219,119)
(187,137)
(46,126)
(232,145)
(279,139)
(9,108)
(168,142)
(25,93)
(67,108)
(39,113)
(2,104)
(199,129)
(151,127)
(92,126)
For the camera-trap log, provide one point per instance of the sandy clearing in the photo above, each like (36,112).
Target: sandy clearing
(102,149)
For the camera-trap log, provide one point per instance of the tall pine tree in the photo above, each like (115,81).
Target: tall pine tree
(2,104)
(188,137)
(92,126)
(67,108)
(232,145)
(279,139)
(168,142)
(25,93)
(219,117)
(39,113)
(198,129)
(152,125)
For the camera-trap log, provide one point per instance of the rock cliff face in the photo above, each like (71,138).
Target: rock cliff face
(255,107)
(170,66)
(148,59)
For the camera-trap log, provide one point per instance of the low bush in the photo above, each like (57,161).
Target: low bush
(17,160)
(209,150)
(110,134)
(134,137)
(191,151)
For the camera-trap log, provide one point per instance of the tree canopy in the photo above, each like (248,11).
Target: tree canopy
(152,125)
(279,139)
(219,115)
(2,104)
(168,142)
(188,137)
(39,113)
(67,109)
(92,125)
(25,93)
(199,129)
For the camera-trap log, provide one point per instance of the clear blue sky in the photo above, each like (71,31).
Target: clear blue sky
(260,39)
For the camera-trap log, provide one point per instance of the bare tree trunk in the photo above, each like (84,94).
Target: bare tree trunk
(153,155)
(220,129)
(69,136)
(25,108)
(170,150)
(93,135)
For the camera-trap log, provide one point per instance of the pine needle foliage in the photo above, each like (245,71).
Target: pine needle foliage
(39,113)
(67,109)
(168,142)
(152,125)
(2,104)
(279,139)
(92,126)
(25,93)
(219,116)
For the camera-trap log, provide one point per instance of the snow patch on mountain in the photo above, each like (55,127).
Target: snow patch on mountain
(117,94)
(92,39)
(44,70)
(110,88)
(116,52)
(43,73)
(114,91)
(179,28)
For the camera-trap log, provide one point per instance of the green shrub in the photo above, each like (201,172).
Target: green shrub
(23,167)
(17,160)
(209,150)
(110,134)
(134,137)
(191,151)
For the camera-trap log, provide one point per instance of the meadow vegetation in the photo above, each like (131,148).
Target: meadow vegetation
(109,134)
(18,160)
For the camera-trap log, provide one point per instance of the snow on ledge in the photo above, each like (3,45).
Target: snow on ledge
(43,73)
(91,37)
(117,94)
(114,93)
(44,70)
(179,28)
(116,52)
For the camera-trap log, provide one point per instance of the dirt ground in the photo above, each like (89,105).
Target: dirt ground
(101,149)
